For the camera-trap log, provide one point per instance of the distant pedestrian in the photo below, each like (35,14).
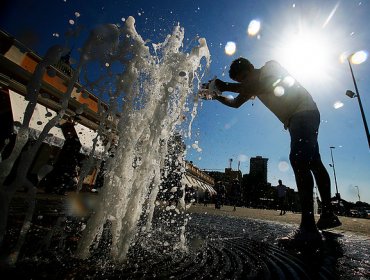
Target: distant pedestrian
(235,193)
(281,194)
(206,198)
(220,189)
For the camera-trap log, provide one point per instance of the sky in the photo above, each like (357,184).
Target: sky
(307,37)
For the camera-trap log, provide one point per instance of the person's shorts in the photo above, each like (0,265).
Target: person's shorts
(303,129)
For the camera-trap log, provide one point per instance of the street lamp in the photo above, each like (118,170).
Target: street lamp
(335,176)
(358,193)
(358,58)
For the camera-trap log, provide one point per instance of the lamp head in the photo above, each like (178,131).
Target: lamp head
(350,94)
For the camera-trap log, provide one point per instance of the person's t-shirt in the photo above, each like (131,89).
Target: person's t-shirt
(282,94)
(281,190)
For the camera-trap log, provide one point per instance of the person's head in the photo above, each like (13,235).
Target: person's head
(280,182)
(240,68)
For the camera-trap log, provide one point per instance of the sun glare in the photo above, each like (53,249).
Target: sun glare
(230,48)
(254,27)
(283,166)
(359,57)
(305,55)
(355,58)
(338,104)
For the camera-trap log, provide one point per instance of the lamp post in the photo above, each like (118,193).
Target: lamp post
(358,193)
(351,94)
(335,176)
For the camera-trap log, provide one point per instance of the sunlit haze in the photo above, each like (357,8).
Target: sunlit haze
(306,54)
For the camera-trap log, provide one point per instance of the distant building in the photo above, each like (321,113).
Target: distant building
(217,175)
(258,169)
(256,190)
(233,174)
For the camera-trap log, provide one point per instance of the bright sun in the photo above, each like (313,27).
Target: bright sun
(306,55)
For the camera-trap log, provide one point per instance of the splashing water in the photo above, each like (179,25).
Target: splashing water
(157,91)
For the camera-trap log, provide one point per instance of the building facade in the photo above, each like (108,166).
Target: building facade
(258,169)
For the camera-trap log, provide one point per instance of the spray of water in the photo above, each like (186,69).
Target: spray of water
(156,89)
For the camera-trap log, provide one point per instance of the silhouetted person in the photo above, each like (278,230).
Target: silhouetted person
(220,189)
(206,198)
(281,194)
(235,193)
(295,108)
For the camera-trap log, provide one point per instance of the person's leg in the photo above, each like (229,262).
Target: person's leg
(303,131)
(322,179)
(303,144)
(281,205)
(305,183)
(327,217)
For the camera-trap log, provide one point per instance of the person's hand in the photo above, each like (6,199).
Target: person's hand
(220,85)
(217,84)
(206,94)
(212,89)
(205,85)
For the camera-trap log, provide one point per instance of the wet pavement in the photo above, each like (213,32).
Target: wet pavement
(217,247)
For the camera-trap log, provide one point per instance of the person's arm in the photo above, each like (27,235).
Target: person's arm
(232,102)
(245,88)
(245,92)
